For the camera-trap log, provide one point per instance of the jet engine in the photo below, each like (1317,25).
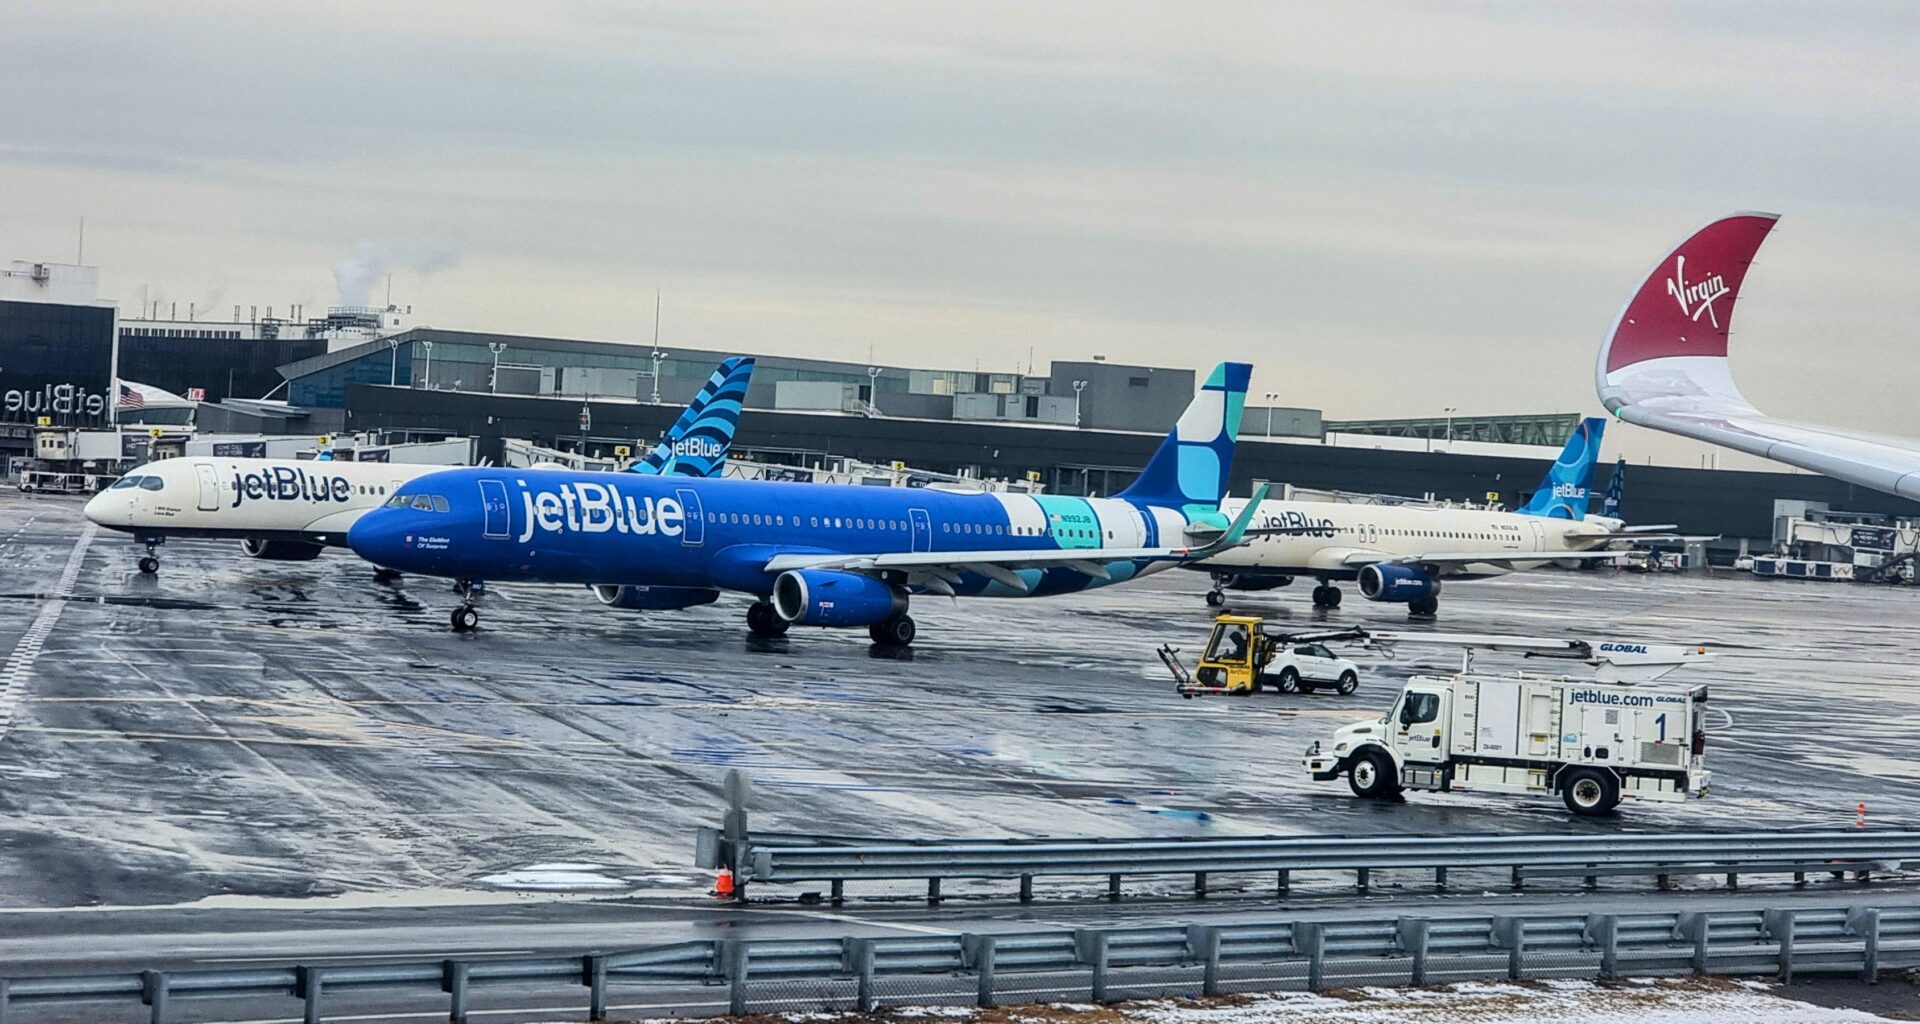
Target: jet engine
(1396,583)
(825,597)
(652,599)
(280,550)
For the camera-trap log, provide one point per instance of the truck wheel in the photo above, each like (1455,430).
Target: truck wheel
(1372,775)
(1348,683)
(1588,792)
(1289,680)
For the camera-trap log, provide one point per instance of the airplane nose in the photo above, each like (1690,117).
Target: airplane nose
(383,537)
(108,509)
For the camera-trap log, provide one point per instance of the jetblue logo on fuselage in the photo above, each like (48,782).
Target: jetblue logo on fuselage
(1299,524)
(598,508)
(285,483)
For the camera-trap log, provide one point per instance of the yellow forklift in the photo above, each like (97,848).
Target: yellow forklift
(1241,649)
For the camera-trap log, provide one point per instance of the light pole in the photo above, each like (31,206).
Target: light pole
(393,362)
(1272,397)
(493,383)
(428,381)
(873,389)
(658,358)
(1450,410)
(1078,386)
(586,424)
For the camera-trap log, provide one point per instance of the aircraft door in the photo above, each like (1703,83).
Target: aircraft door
(693,532)
(922,529)
(493,501)
(1539,535)
(209,486)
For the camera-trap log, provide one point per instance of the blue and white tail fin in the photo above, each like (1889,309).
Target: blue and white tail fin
(1192,467)
(698,443)
(1616,488)
(1563,494)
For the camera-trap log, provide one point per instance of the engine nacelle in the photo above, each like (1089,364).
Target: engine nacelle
(1246,581)
(652,599)
(1396,583)
(280,550)
(825,597)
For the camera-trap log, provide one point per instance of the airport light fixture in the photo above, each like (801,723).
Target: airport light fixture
(873,389)
(658,358)
(493,383)
(1272,397)
(1078,386)
(1450,410)
(393,361)
(427,382)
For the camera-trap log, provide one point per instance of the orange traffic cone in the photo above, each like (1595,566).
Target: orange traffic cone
(723,884)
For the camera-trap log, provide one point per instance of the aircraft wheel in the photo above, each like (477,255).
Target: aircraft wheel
(761,621)
(465,618)
(149,565)
(895,632)
(1215,599)
(1427,606)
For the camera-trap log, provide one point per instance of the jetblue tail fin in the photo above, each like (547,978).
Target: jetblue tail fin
(698,443)
(1610,505)
(1190,471)
(1563,494)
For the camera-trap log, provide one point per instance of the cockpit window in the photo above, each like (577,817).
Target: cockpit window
(125,482)
(152,483)
(422,503)
(439,503)
(398,501)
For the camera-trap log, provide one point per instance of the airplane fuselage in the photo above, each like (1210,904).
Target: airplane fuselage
(272,499)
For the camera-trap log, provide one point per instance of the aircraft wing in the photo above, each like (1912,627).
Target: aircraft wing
(1664,366)
(933,568)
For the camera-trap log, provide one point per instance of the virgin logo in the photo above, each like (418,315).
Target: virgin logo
(1698,297)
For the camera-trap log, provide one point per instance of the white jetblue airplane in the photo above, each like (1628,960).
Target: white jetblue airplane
(1400,553)
(290,510)
(1664,365)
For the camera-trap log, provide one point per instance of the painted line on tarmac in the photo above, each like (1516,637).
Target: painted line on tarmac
(26,650)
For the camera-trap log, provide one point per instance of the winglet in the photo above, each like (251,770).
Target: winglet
(1236,530)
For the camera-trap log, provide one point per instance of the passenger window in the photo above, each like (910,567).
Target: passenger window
(439,503)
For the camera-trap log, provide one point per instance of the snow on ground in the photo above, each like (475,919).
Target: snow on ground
(1710,1001)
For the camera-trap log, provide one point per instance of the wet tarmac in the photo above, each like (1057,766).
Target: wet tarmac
(239,728)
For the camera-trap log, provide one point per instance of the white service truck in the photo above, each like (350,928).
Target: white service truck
(1620,735)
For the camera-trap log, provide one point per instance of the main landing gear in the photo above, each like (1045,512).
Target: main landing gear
(1326,595)
(1426,607)
(762,621)
(466,617)
(895,632)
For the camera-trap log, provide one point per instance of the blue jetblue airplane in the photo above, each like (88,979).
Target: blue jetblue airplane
(813,554)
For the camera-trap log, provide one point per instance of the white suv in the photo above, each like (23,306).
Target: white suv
(1299,667)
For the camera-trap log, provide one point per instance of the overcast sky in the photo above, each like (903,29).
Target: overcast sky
(1388,208)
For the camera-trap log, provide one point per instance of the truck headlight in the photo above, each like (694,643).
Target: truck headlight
(1339,748)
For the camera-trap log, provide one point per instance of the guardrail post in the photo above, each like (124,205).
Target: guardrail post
(862,952)
(593,974)
(1518,882)
(933,892)
(453,981)
(982,950)
(1605,930)
(733,953)
(1364,879)
(307,986)
(1512,932)
(1311,939)
(4,994)
(1870,956)
(1026,888)
(1780,925)
(1694,926)
(1091,945)
(1733,880)
(1662,881)
(1113,888)
(1203,944)
(153,992)
(1440,879)
(839,892)
(1414,934)
(1286,880)
(1200,885)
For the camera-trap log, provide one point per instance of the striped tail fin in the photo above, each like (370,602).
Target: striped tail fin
(1191,469)
(700,439)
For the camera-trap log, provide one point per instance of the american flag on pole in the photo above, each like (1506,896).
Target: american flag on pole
(130,399)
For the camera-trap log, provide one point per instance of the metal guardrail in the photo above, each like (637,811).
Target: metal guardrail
(1101,964)
(787,858)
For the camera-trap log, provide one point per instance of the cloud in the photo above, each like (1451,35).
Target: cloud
(358,275)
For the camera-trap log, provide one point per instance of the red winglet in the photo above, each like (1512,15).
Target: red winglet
(1685,306)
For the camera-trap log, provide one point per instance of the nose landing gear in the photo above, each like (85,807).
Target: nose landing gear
(150,562)
(467,617)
